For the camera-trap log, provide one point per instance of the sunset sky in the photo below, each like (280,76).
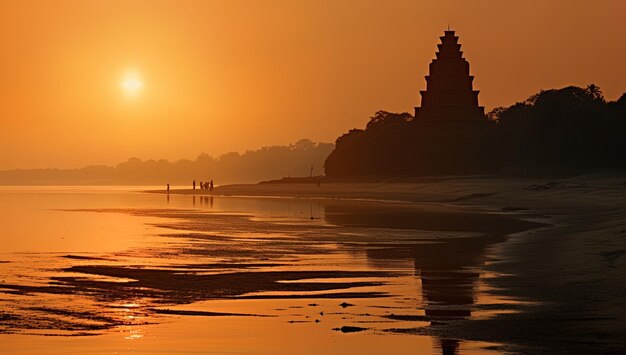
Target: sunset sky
(97,82)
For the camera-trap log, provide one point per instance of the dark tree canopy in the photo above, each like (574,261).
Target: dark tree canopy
(558,131)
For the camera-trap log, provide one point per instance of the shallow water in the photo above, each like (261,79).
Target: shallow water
(89,270)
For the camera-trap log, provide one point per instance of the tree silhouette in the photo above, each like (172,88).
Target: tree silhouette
(557,131)
(595,92)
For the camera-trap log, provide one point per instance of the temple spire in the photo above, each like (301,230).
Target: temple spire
(449,94)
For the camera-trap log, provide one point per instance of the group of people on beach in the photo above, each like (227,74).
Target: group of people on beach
(204,185)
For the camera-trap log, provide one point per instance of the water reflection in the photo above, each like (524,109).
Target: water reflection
(448,275)
(207,201)
(280,250)
(448,267)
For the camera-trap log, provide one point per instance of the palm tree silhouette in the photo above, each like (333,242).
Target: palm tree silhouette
(594,91)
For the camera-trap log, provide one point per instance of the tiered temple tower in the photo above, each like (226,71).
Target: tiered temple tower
(449,94)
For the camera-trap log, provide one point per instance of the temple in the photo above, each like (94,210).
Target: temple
(449,94)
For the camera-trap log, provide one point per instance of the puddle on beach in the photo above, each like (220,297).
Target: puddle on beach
(117,271)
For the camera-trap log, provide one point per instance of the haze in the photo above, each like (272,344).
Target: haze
(219,76)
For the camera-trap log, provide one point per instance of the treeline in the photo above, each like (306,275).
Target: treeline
(267,163)
(561,131)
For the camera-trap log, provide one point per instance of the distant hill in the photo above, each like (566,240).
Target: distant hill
(560,131)
(266,163)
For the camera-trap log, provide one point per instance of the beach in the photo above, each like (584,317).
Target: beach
(125,271)
(567,273)
(471,265)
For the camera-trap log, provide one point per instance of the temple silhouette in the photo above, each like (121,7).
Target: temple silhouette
(565,131)
(449,95)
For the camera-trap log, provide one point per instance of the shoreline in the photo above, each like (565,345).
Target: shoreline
(569,273)
(356,191)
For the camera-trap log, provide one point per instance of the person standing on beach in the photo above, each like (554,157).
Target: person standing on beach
(194,184)
(211,185)
(168,188)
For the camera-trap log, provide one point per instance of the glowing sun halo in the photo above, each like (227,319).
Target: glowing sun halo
(131,85)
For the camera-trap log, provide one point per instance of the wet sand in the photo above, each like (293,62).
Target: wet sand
(227,274)
(567,274)
(469,266)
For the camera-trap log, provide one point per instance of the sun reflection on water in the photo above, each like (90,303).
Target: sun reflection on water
(134,334)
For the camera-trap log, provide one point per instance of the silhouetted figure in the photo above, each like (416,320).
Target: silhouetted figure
(168,188)
(194,184)
(211,185)
(201,185)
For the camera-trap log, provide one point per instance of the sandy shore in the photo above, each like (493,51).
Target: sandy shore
(572,272)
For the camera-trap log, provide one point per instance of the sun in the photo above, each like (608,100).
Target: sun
(131,85)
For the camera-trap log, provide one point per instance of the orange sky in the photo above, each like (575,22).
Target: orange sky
(232,75)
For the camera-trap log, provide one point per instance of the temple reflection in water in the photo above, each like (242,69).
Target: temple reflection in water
(448,268)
